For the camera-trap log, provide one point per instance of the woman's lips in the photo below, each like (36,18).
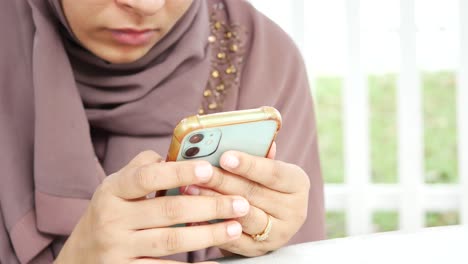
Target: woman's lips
(132,37)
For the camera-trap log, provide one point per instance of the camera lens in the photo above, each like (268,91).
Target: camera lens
(192,151)
(196,138)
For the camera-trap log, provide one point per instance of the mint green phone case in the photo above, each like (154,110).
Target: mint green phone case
(207,137)
(254,138)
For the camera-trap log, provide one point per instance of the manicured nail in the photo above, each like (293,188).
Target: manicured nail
(231,161)
(240,206)
(192,190)
(203,172)
(234,229)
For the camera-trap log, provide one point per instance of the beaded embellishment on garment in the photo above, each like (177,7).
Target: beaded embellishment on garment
(227,50)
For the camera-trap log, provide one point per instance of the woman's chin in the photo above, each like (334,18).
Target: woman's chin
(122,55)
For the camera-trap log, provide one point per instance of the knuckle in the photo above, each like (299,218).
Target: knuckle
(105,187)
(246,219)
(114,184)
(172,208)
(303,177)
(102,205)
(172,240)
(149,156)
(145,179)
(253,190)
(250,167)
(275,177)
(284,235)
(218,180)
(213,238)
(220,205)
(179,175)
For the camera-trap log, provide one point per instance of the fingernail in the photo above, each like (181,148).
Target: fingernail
(192,190)
(234,229)
(231,161)
(240,206)
(203,172)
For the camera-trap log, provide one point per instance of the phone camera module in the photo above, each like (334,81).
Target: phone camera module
(191,152)
(197,138)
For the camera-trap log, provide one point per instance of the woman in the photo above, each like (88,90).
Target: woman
(87,86)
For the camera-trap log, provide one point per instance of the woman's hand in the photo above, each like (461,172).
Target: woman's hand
(273,188)
(122,226)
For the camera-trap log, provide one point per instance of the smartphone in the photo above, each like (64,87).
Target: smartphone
(207,137)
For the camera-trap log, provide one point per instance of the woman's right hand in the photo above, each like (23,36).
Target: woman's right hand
(121,226)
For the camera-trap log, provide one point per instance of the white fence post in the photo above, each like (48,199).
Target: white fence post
(356,129)
(462,112)
(298,22)
(298,33)
(410,158)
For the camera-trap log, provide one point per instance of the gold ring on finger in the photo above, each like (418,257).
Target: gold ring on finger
(264,234)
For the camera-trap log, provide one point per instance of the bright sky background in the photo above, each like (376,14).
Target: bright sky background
(323,42)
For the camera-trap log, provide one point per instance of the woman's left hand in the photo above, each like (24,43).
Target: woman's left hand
(273,188)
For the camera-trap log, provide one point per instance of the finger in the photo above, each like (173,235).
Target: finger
(272,152)
(247,246)
(171,210)
(195,190)
(134,182)
(163,261)
(168,241)
(229,184)
(146,157)
(276,175)
(254,222)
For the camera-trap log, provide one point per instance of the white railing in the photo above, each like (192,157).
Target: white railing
(411,197)
(356,129)
(462,111)
(410,122)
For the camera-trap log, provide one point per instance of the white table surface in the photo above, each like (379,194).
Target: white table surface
(447,245)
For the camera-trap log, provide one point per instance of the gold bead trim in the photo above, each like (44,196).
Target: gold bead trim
(215,74)
(226,44)
(207,93)
(221,55)
(211,39)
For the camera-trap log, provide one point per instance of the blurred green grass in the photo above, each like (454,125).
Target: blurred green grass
(440,138)
(440,150)
(330,127)
(442,219)
(385,221)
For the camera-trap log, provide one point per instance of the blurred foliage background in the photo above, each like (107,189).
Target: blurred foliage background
(440,151)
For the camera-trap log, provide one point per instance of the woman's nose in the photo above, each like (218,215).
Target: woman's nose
(142,7)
